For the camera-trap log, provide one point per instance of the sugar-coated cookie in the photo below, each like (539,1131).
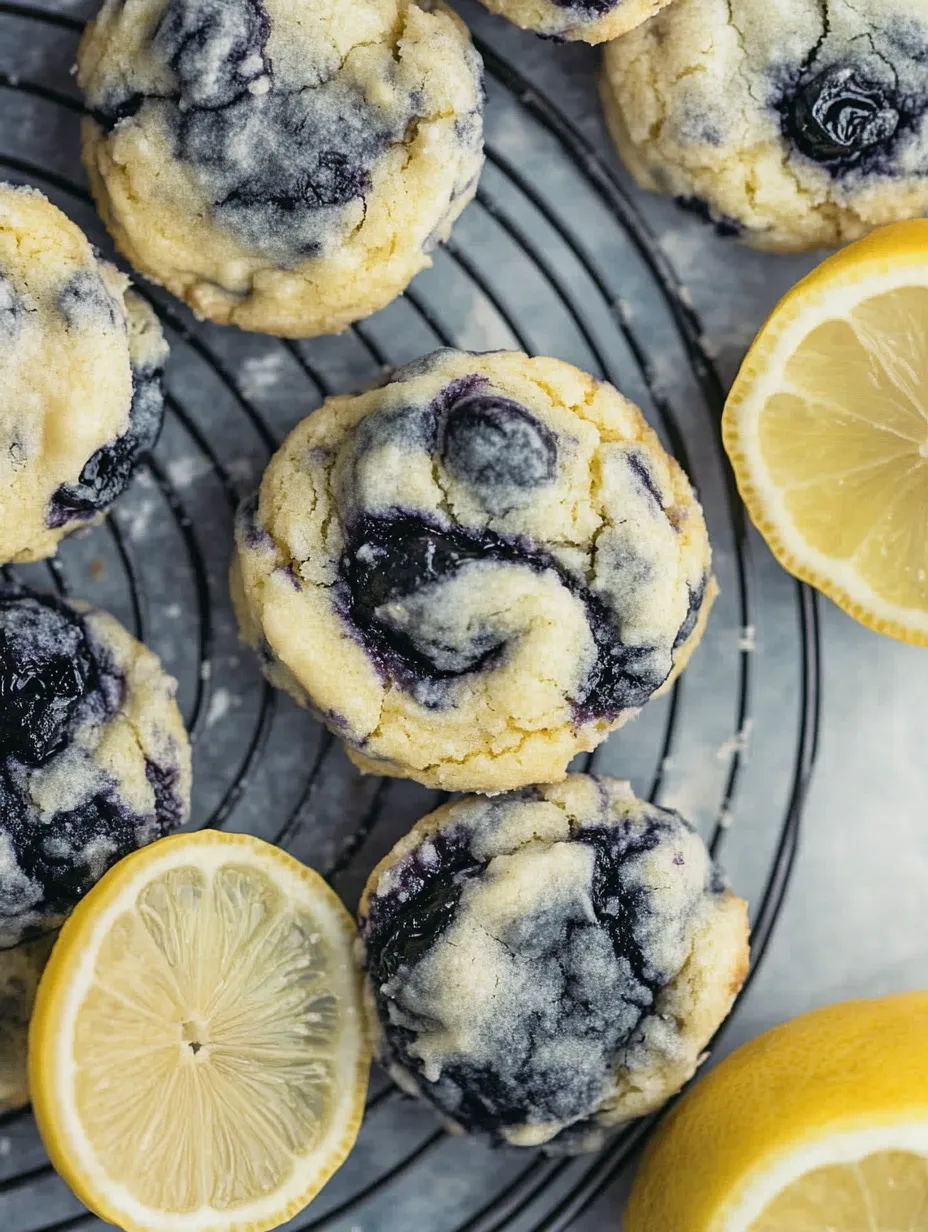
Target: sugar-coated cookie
(476,571)
(550,963)
(282,165)
(81,358)
(94,757)
(791,123)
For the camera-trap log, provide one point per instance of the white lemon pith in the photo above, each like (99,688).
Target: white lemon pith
(827,430)
(198,1055)
(820,1125)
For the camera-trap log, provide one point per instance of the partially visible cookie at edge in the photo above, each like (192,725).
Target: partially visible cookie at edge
(791,124)
(81,361)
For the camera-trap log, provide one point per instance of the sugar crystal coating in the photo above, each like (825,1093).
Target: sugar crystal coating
(525,956)
(497,561)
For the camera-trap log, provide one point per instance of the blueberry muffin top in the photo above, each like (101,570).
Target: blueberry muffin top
(592,21)
(551,962)
(791,123)
(475,571)
(94,758)
(284,165)
(80,378)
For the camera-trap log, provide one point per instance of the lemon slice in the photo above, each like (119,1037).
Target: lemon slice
(820,1125)
(827,430)
(198,1057)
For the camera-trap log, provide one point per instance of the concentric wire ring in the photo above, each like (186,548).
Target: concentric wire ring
(555,259)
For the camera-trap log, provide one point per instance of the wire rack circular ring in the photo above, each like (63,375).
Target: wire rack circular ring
(553,259)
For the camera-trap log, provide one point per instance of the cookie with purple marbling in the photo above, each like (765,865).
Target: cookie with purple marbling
(550,963)
(94,757)
(81,359)
(589,21)
(789,123)
(282,165)
(476,571)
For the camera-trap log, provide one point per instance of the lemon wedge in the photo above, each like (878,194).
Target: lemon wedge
(820,1125)
(198,1058)
(827,430)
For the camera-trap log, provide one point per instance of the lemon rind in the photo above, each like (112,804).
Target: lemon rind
(867,269)
(51,1064)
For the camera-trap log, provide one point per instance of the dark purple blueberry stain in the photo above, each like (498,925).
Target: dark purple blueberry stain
(592,8)
(46,668)
(697,598)
(170,808)
(12,310)
(595,1005)
(498,449)
(277,163)
(252,532)
(392,557)
(54,677)
(640,467)
(108,473)
(839,115)
(727,228)
(85,302)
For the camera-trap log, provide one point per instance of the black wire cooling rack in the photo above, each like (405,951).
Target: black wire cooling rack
(553,258)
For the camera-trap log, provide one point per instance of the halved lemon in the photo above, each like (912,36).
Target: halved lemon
(198,1057)
(820,1125)
(827,430)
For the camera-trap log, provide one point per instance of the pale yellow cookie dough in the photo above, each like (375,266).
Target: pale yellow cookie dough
(475,572)
(80,378)
(590,21)
(790,123)
(282,165)
(550,963)
(20,972)
(94,756)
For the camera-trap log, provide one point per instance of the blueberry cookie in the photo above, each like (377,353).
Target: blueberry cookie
(283,165)
(791,123)
(94,758)
(549,963)
(20,972)
(474,572)
(80,378)
(592,21)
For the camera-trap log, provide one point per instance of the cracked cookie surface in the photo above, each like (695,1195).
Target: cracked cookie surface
(790,123)
(474,572)
(547,964)
(94,757)
(81,358)
(589,21)
(283,166)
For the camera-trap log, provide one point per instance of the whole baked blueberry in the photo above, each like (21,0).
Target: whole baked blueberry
(45,670)
(840,114)
(498,449)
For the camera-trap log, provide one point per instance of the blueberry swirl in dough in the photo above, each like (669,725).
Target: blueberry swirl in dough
(94,758)
(81,359)
(283,165)
(550,963)
(592,21)
(476,571)
(789,123)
